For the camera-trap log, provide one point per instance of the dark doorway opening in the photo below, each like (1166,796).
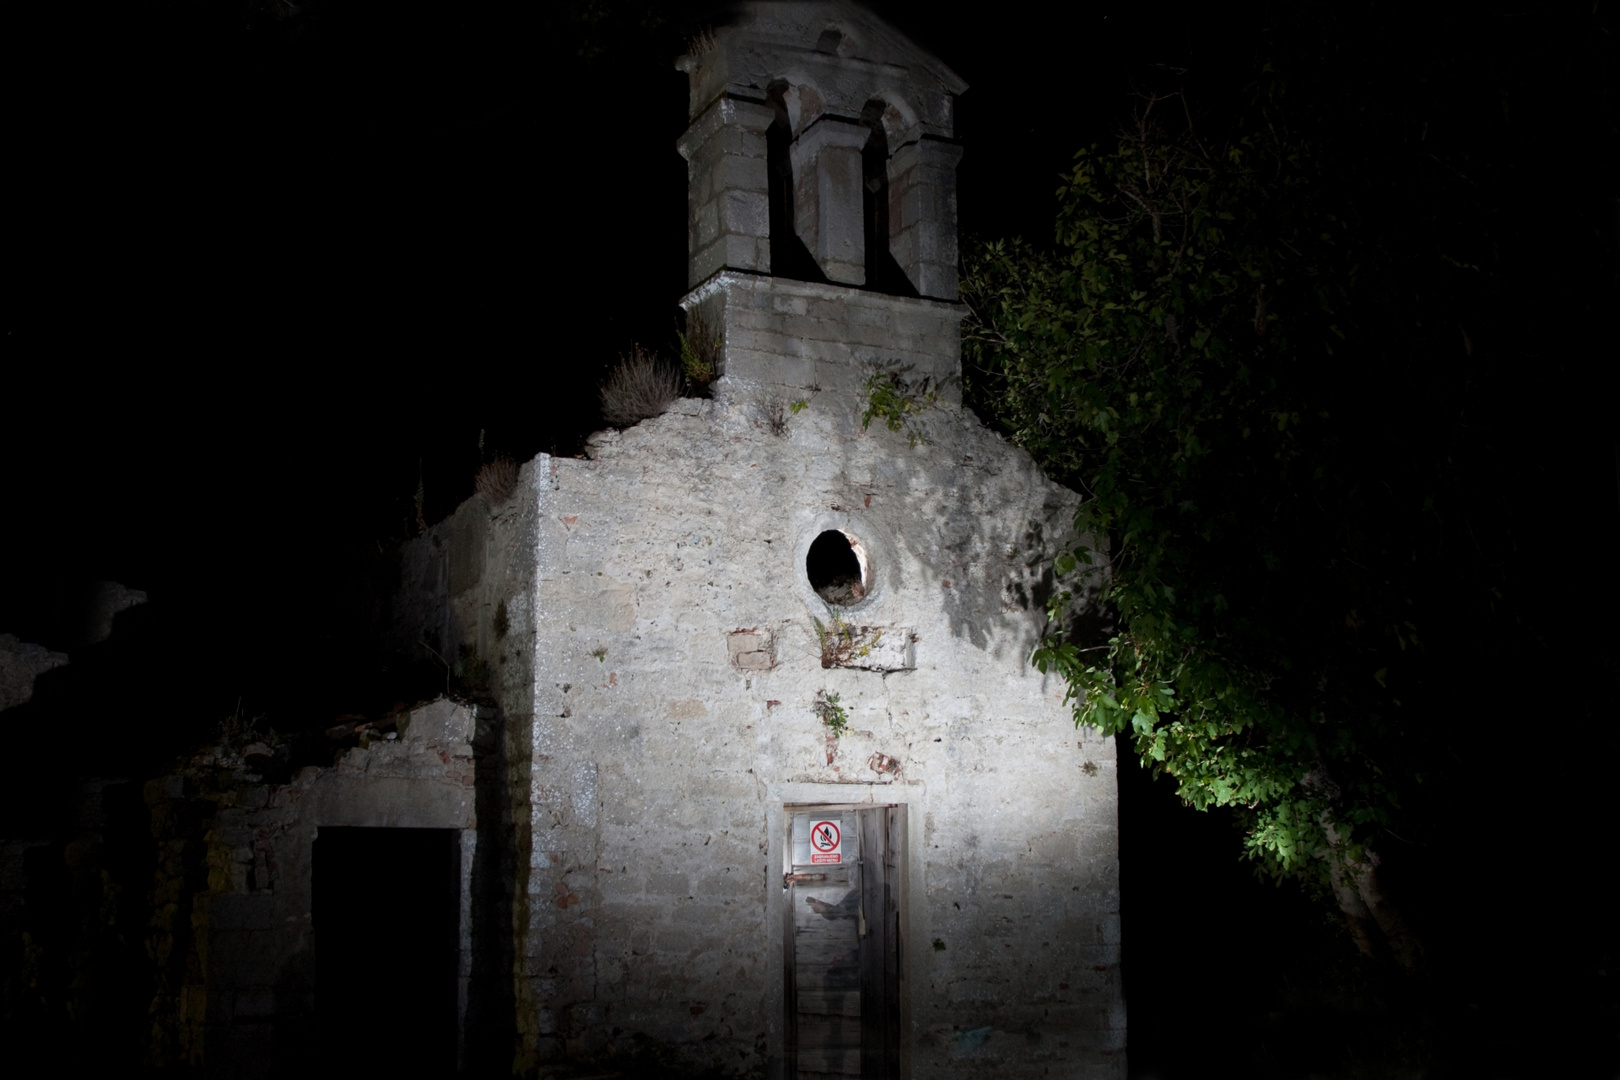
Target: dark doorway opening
(387,906)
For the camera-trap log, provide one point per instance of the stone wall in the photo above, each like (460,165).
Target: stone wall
(662,766)
(231,931)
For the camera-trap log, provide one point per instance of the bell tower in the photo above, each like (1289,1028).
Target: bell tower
(821,164)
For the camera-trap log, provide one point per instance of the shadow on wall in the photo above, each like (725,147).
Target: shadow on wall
(994,578)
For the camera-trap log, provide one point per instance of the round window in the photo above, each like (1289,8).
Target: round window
(838,569)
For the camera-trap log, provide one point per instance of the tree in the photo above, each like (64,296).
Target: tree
(1219,353)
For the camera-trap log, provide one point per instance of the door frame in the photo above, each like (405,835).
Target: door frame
(898,845)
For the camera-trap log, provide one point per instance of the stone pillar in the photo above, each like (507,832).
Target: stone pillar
(827,208)
(922,214)
(728,197)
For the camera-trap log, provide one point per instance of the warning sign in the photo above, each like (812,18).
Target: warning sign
(826,842)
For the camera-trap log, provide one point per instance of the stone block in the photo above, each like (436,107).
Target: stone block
(239,958)
(439,723)
(738,173)
(254,911)
(745,212)
(751,650)
(934,279)
(743,252)
(707,260)
(235,835)
(736,885)
(705,227)
(743,121)
(254,1003)
(671,885)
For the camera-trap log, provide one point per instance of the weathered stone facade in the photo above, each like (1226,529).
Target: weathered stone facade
(663,660)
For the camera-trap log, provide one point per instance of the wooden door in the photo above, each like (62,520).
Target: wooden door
(842,942)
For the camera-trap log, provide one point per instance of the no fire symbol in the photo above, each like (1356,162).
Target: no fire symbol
(826,842)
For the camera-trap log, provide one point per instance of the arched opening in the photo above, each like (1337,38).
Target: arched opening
(789,257)
(837,568)
(883,273)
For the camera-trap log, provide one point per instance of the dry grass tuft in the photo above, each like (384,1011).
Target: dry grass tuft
(771,413)
(641,387)
(702,44)
(497,480)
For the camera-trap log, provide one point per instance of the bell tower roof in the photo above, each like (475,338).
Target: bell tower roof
(822,149)
(847,53)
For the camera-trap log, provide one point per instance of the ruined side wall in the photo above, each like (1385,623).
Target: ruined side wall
(666,742)
(241,1002)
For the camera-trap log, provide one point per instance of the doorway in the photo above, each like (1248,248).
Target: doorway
(841,890)
(386,914)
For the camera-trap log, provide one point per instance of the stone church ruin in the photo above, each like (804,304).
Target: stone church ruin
(762,782)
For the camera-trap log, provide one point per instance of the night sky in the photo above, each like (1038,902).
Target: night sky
(271,272)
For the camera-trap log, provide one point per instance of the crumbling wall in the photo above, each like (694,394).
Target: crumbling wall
(231,929)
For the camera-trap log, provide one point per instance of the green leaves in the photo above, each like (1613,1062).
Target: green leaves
(1151,360)
(896,398)
(831,713)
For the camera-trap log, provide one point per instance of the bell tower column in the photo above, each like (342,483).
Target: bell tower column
(728,194)
(922,214)
(827,207)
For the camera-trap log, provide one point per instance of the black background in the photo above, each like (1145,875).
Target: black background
(271,269)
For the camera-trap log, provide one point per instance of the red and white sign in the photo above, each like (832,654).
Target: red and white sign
(826,842)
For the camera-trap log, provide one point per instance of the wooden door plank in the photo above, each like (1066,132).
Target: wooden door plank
(822,1002)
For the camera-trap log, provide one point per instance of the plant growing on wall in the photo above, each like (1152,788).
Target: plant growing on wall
(238,731)
(831,713)
(700,349)
(497,480)
(896,398)
(843,642)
